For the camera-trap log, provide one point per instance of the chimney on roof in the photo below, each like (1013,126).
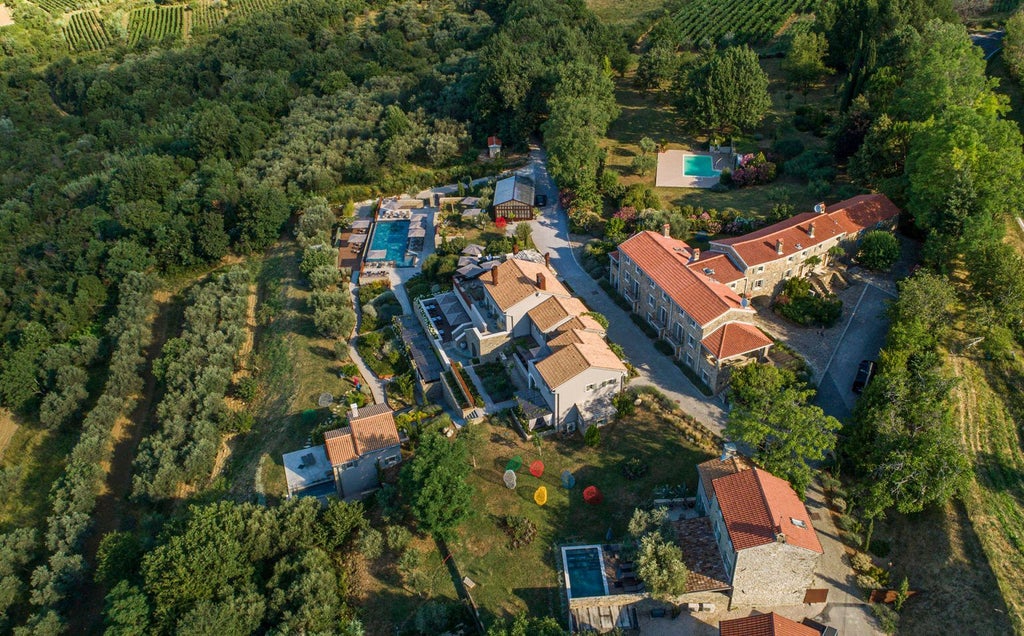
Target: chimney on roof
(494,276)
(355,410)
(780,537)
(665,230)
(778,246)
(695,254)
(542,282)
(515,248)
(547,260)
(810,230)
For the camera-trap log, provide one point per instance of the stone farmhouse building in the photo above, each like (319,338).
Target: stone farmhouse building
(699,301)
(347,464)
(513,199)
(758,263)
(770,624)
(571,366)
(356,452)
(708,324)
(764,533)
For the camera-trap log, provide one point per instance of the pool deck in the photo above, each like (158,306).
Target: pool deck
(670,169)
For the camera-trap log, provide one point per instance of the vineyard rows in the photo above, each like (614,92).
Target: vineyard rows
(156,23)
(1005,6)
(746,20)
(85,32)
(205,18)
(57,7)
(242,8)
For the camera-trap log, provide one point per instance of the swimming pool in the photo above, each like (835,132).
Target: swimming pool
(391,238)
(584,571)
(699,166)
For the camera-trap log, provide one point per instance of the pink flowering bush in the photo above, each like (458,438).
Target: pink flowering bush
(753,170)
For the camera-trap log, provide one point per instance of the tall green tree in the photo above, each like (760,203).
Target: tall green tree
(772,415)
(660,565)
(727,93)
(805,63)
(435,483)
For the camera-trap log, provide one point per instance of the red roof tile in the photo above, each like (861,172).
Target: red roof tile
(493,141)
(734,339)
(765,625)
(756,505)
(372,429)
(724,270)
(846,217)
(665,260)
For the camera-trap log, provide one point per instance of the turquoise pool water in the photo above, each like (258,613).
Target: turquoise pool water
(699,166)
(585,569)
(393,238)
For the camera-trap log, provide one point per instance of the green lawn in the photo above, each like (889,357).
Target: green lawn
(652,114)
(294,365)
(510,581)
(618,12)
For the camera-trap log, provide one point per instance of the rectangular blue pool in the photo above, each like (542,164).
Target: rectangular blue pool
(699,166)
(392,239)
(584,571)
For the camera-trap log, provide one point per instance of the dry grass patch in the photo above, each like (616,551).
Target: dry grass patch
(6,17)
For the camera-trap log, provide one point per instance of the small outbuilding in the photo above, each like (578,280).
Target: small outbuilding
(493,146)
(513,199)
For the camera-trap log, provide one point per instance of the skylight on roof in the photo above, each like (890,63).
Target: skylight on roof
(709,272)
(799,523)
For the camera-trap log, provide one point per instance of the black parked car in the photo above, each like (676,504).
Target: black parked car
(865,372)
(540,200)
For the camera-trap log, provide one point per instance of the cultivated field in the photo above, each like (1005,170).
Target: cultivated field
(84,31)
(156,23)
(738,20)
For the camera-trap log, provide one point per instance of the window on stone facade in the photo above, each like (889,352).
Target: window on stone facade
(636,288)
(759,269)
(689,341)
(788,273)
(679,331)
(664,296)
(789,260)
(650,299)
(591,387)
(689,360)
(693,323)
(758,284)
(662,314)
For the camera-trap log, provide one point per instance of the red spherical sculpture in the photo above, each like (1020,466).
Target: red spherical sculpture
(592,495)
(537,468)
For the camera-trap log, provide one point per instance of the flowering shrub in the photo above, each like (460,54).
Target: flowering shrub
(501,222)
(753,170)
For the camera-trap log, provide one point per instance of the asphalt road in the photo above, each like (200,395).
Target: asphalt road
(863,337)
(991,42)
(551,234)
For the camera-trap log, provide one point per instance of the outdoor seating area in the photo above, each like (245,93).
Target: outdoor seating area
(394,214)
(446,314)
(380,269)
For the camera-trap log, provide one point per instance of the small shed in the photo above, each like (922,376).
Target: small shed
(493,146)
(513,199)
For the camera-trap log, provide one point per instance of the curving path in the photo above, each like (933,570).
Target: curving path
(551,234)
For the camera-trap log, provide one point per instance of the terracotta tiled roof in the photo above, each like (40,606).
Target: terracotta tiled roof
(493,141)
(576,336)
(862,212)
(372,429)
(717,467)
(765,625)
(666,260)
(517,279)
(583,323)
(722,268)
(846,217)
(555,310)
(734,339)
(757,505)
(340,445)
(567,362)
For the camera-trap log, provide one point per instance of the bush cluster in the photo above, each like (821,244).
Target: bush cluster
(520,530)
(797,303)
(74,493)
(196,370)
